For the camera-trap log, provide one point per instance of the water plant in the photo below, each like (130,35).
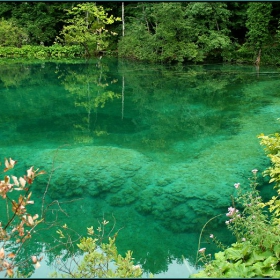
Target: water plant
(255,225)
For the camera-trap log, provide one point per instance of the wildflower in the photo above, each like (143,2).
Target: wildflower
(15,180)
(211,236)
(105,222)
(254,171)
(90,230)
(34,259)
(2,253)
(227,222)
(9,164)
(22,182)
(231,211)
(202,250)
(243,239)
(30,172)
(236,185)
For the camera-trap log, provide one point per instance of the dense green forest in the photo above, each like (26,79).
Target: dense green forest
(167,32)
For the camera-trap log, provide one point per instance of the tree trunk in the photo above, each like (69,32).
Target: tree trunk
(122,18)
(258,60)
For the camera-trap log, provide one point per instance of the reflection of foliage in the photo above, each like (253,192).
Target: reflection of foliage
(194,100)
(14,75)
(91,88)
(104,97)
(162,102)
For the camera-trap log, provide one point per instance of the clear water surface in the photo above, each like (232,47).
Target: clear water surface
(154,149)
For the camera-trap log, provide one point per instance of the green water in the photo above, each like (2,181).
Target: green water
(155,148)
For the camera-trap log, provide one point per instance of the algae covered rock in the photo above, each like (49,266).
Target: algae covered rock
(91,170)
(180,195)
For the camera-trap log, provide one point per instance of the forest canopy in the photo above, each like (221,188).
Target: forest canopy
(181,32)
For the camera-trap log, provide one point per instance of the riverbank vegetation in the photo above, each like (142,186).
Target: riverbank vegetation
(255,225)
(166,32)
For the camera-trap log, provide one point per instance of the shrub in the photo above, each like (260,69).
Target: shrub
(11,35)
(18,225)
(256,252)
(41,52)
(100,259)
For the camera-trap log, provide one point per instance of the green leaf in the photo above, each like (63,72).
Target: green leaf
(257,256)
(234,254)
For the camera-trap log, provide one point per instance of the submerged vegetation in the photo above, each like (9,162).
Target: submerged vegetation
(167,32)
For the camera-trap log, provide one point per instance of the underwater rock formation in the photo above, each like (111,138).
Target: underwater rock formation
(179,195)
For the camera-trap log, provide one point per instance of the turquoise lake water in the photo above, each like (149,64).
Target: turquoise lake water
(154,149)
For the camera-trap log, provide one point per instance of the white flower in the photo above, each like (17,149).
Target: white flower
(236,185)
(136,267)
(202,250)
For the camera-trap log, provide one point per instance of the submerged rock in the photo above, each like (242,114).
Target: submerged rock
(182,195)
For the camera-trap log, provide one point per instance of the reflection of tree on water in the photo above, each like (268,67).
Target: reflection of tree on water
(90,86)
(13,76)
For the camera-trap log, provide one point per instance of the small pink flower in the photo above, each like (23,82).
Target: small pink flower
(231,211)
(236,185)
(34,259)
(202,250)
